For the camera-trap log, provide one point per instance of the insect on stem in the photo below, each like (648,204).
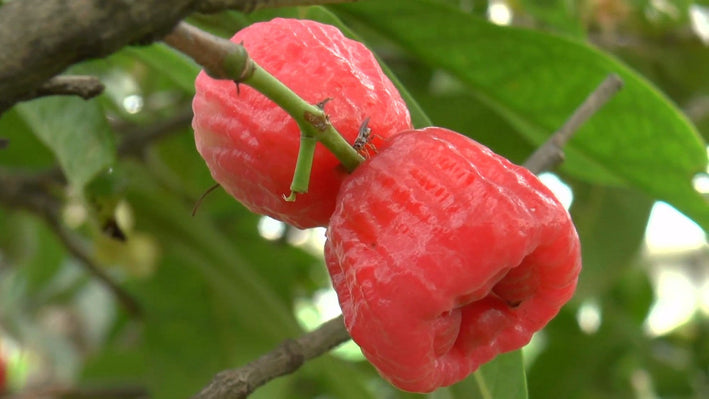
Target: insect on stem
(362,143)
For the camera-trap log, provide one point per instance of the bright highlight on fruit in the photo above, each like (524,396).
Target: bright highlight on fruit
(250,144)
(444,254)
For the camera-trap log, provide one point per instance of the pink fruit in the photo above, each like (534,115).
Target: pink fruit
(250,144)
(444,255)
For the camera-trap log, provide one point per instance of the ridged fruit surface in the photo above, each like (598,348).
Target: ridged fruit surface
(3,375)
(250,144)
(444,254)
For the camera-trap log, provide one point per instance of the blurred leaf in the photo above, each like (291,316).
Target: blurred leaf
(223,24)
(24,150)
(536,80)
(76,131)
(36,254)
(176,66)
(556,15)
(633,293)
(677,65)
(178,165)
(502,378)
(465,114)
(115,363)
(207,299)
(611,225)
(576,365)
(212,255)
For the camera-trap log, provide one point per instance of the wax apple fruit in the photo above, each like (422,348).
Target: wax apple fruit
(250,144)
(444,254)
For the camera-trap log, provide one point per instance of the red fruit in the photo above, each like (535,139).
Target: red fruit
(444,254)
(250,144)
(3,375)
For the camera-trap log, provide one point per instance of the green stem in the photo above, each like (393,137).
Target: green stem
(223,59)
(303,166)
(312,120)
(314,126)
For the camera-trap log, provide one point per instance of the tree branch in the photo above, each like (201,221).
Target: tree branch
(85,87)
(41,38)
(551,152)
(285,359)
(211,52)
(290,355)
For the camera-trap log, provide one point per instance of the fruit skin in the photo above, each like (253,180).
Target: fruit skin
(444,254)
(3,375)
(250,144)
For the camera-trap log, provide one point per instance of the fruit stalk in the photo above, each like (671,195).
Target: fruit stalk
(313,121)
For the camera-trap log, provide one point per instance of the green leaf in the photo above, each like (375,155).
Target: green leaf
(556,15)
(29,245)
(497,378)
(536,80)
(23,150)
(611,225)
(465,114)
(179,68)
(576,365)
(76,131)
(502,378)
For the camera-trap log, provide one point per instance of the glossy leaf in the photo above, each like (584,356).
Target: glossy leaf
(555,15)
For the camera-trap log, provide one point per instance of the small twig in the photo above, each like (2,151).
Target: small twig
(551,152)
(202,197)
(285,359)
(83,86)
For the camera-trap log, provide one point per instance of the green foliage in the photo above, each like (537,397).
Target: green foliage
(76,131)
(216,294)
